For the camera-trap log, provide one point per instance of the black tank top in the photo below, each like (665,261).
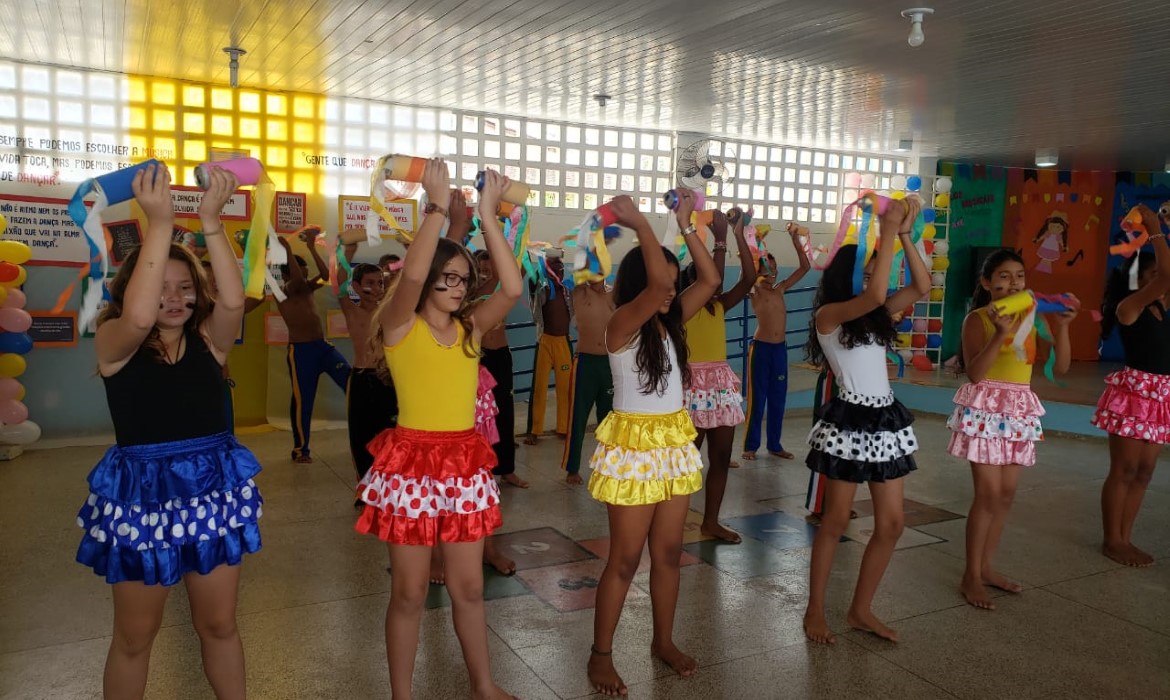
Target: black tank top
(152,401)
(1147,342)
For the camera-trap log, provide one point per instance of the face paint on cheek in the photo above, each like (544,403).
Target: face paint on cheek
(440,288)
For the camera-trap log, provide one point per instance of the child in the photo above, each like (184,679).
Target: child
(431,485)
(309,354)
(646,465)
(174,498)
(863,435)
(713,392)
(996,422)
(592,381)
(552,312)
(767,374)
(1133,409)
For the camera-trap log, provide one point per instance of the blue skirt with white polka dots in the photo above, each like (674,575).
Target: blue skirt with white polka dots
(157,512)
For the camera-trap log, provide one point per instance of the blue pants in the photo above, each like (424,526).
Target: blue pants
(767,387)
(306,362)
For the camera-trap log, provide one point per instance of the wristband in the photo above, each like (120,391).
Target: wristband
(689,230)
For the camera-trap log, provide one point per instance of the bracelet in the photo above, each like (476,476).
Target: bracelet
(720,245)
(689,230)
(213,233)
(433,208)
(1157,235)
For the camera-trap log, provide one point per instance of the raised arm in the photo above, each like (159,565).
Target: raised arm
(708,280)
(397,314)
(310,238)
(1132,306)
(223,326)
(830,316)
(719,233)
(119,338)
(919,285)
(747,272)
(629,317)
(796,231)
(496,308)
(296,276)
(460,224)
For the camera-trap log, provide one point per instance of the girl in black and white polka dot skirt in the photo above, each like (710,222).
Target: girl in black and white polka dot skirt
(863,435)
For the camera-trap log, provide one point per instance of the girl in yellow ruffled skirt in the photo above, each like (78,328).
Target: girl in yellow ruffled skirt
(646,465)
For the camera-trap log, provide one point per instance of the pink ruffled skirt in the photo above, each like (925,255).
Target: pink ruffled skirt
(1135,405)
(713,395)
(486,409)
(996,423)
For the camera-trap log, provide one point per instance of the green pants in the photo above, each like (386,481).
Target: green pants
(592,386)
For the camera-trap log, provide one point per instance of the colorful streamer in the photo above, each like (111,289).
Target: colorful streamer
(593,262)
(385,167)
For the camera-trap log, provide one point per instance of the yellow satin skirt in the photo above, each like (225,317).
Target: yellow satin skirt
(645,458)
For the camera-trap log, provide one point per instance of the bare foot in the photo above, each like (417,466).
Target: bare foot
(670,655)
(816,628)
(529,439)
(720,533)
(603,676)
(782,454)
(514,480)
(1125,553)
(996,580)
(866,622)
(437,576)
(502,564)
(301,458)
(749,456)
(733,464)
(975,593)
(1144,558)
(492,693)
(574,479)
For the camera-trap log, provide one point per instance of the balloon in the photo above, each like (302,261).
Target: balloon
(929,232)
(24,433)
(928,215)
(943,184)
(934,340)
(942,200)
(14,321)
(898,195)
(941,248)
(903,340)
(15,252)
(852,179)
(12,298)
(938,279)
(936,294)
(935,325)
(905,326)
(18,343)
(898,182)
(10,388)
(868,180)
(918,341)
(922,363)
(12,365)
(21,276)
(940,263)
(908,311)
(928,246)
(913,183)
(13,412)
(919,325)
(8,272)
(906,355)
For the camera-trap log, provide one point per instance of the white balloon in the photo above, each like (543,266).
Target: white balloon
(943,184)
(941,248)
(938,279)
(898,182)
(25,433)
(868,180)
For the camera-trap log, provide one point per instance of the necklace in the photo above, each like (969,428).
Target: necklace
(178,351)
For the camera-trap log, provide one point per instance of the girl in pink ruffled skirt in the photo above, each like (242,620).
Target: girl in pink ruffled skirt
(996,422)
(1135,408)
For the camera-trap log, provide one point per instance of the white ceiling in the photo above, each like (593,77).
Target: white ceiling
(995,80)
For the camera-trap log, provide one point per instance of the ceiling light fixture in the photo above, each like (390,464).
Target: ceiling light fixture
(1047,157)
(601,99)
(234,64)
(915,15)
(905,145)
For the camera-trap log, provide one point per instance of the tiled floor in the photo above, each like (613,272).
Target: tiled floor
(312,602)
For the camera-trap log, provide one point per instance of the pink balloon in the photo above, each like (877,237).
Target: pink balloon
(919,325)
(15,300)
(9,388)
(13,412)
(15,320)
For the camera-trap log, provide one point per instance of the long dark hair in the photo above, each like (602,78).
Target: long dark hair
(203,300)
(1117,289)
(981,296)
(651,361)
(876,327)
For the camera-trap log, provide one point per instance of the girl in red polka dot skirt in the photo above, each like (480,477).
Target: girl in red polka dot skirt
(1135,408)
(431,483)
(996,422)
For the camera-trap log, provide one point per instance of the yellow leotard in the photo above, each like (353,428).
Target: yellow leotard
(707,336)
(1008,367)
(435,383)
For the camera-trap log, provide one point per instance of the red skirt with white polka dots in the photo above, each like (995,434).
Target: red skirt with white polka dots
(1135,405)
(429,486)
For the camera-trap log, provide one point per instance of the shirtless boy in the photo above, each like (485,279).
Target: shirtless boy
(552,313)
(592,382)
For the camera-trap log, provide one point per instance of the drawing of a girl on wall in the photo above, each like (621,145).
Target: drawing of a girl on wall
(1053,240)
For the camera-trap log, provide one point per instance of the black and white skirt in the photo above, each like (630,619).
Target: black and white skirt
(862,438)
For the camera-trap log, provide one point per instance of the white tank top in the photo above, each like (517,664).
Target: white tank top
(859,370)
(627,392)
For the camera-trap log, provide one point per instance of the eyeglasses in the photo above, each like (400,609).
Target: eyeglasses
(452,279)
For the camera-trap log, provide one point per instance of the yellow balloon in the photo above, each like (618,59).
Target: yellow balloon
(942,200)
(929,232)
(936,294)
(903,340)
(12,365)
(898,195)
(940,263)
(15,252)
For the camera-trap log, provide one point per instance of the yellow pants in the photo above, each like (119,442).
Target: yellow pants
(553,354)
